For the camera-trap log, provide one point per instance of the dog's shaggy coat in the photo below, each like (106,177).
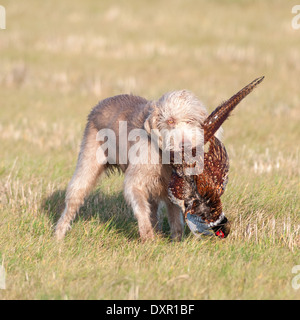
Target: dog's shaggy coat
(145,185)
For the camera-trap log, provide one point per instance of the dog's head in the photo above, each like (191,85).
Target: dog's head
(177,119)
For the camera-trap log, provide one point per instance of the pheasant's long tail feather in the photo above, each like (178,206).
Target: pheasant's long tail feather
(213,122)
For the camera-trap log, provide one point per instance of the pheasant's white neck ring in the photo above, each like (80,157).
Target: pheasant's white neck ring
(218,221)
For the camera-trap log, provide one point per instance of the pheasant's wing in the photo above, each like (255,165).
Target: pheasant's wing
(208,205)
(216,164)
(180,188)
(176,186)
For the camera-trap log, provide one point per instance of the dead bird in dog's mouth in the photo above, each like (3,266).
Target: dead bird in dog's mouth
(199,195)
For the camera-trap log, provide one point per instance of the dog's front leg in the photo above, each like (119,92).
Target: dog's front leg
(136,196)
(175,220)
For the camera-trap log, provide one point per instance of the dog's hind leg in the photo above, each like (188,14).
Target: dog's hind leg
(84,178)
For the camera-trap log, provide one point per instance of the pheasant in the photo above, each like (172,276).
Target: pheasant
(199,195)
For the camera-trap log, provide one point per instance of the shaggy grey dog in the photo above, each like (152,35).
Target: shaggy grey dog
(145,184)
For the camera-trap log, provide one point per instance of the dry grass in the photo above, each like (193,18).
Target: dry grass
(55,67)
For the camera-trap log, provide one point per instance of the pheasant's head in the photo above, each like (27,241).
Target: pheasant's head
(219,227)
(204,214)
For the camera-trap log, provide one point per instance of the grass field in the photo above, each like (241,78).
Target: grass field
(59,58)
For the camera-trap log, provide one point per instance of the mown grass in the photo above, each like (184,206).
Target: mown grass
(59,60)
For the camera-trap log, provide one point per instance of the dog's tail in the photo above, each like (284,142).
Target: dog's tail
(213,122)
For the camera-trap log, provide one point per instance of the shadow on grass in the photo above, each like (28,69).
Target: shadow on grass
(110,210)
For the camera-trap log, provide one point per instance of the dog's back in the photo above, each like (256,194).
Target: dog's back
(109,112)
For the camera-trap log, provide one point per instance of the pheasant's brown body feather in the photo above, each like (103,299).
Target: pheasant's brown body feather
(207,186)
(200,194)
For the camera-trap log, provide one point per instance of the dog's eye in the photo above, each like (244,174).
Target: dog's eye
(171,121)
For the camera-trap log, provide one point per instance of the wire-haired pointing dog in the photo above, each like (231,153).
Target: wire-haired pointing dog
(145,184)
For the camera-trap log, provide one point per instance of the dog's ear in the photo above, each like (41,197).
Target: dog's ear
(147,124)
(151,121)
(151,127)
